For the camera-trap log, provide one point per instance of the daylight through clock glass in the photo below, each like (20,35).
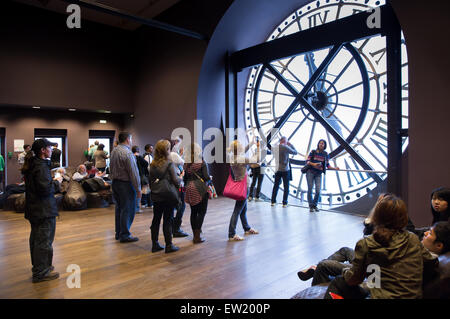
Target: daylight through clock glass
(350,95)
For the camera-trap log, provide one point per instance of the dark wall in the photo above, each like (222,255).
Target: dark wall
(169,68)
(424,25)
(165,96)
(248,22)
(44,63)
(20,124)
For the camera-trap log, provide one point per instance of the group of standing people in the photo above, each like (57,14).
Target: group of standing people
(167,171)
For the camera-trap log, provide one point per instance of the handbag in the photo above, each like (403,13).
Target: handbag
(236,190)
(207,188)
(164,190)
(305,168)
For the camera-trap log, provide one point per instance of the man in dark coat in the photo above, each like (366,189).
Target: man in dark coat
(41,209)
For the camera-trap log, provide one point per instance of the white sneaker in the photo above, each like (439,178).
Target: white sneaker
(272,204)
(236,238)
(252,231)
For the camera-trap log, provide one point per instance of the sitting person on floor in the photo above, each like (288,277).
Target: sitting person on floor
(436,240)
(398,255)
(80,174)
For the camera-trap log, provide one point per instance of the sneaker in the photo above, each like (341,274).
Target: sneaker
(49,276)
(250,199)
(316,209)
(257,199)
(272,204)
(236,238)
(284,205)
(252,231)
(311,209)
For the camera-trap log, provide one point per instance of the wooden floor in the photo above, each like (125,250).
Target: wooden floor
(261,266)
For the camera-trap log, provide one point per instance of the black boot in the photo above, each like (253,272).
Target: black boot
(155,244)
(180,233)
(198,237)
(171,248)
(156,247)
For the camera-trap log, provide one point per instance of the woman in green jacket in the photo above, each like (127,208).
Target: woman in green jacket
(392,259)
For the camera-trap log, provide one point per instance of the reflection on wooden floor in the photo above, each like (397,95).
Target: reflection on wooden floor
(261,266)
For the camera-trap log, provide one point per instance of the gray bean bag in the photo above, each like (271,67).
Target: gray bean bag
(75,198)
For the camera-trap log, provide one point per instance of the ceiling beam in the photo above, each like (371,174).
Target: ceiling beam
(149,22)
(347,29)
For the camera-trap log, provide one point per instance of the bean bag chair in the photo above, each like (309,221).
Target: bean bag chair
(19,204)
(313,292)
(92,185)
(59,201)
(99,199)
(10,203)
(75,198)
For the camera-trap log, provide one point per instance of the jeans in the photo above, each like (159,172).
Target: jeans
(41,240)
(198,213)
(313,179)
(180,212)
(125,198)
(278,176)
(240,210)
(162,210)
(257,177)
(332,266)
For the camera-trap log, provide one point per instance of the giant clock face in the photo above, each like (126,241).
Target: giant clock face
(345,102)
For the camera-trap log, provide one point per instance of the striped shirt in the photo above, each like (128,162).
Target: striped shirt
(318,158)
(193,196)
(123,166)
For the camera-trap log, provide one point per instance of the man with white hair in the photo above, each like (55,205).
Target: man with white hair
(281,153)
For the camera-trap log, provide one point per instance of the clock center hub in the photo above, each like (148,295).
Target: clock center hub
(320,100)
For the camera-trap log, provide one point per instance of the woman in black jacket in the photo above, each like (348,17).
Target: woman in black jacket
(162,168)
(40,208)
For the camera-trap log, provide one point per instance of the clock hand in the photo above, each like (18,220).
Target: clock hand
(332,120)
(299,96)
(340,139)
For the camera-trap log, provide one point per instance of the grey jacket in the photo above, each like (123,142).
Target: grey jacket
(281,153)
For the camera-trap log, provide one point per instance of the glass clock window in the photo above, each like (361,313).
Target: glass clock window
(350,95)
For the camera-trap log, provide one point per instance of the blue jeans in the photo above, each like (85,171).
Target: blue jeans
(125,197)
(313,179)
(276,184)
(240,210)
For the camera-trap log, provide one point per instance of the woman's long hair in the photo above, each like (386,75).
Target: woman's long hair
(27,162)
(161,153)
(236,148)
(193,154)
(388,216)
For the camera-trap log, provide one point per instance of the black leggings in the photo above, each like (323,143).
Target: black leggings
(198,213)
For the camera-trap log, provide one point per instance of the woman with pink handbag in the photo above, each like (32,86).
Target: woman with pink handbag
(236,187)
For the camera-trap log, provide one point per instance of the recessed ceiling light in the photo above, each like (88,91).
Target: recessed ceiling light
(72,110)
(102,121)
(36,107)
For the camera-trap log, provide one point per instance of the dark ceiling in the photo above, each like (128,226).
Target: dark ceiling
(147,9)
